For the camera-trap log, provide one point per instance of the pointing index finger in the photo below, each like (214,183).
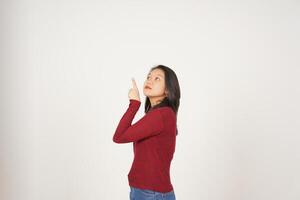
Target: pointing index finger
(134,83)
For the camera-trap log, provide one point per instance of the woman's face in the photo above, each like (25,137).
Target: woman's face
(154,85)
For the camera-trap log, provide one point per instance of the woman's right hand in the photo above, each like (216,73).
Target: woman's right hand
(134,91)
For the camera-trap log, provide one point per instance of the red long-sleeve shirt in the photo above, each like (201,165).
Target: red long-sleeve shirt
(154,139)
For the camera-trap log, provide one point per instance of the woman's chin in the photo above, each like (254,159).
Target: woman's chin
(147,94)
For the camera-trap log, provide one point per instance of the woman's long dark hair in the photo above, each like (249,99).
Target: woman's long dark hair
(173,95)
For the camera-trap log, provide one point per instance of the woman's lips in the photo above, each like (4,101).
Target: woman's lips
(147,87)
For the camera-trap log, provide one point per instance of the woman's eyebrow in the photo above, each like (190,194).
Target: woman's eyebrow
(156,75)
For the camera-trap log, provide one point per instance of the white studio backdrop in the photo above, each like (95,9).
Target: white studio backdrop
(66,68)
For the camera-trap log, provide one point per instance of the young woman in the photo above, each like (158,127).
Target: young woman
(153,136)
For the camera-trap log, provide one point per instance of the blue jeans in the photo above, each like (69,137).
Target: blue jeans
(141,194)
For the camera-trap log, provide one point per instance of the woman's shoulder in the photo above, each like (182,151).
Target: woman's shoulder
(166,108)
(165,111)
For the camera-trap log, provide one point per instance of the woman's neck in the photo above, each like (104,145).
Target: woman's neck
(155,101)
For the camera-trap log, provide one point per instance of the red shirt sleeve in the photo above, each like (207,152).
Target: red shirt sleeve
(149,125)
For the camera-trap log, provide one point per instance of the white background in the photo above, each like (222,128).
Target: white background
(66,69)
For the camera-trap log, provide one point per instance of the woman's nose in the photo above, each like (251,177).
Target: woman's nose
(149,81)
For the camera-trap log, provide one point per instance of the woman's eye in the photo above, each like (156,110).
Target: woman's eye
(156,78)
